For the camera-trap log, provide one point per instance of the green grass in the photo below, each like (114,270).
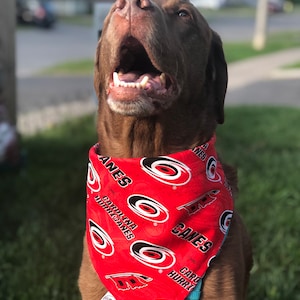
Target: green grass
(42,207)
(81,20)
(275,42)
(264,144)
(295,65)
(78,67)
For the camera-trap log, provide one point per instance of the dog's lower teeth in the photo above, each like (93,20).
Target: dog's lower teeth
(162,78)
(144,81)
(136,85)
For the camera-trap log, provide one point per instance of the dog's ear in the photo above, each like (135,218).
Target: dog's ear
(217,73)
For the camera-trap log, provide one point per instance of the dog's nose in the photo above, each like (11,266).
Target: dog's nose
(120,4)
(143,4)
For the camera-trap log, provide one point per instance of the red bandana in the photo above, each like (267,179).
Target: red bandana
(154,224)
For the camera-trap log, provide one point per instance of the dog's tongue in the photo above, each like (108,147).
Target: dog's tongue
(141,81)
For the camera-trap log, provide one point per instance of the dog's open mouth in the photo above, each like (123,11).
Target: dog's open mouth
(135,72)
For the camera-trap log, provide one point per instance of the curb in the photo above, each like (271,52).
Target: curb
(47,117)
(285,74)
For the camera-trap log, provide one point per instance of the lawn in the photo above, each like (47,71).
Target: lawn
(42,206)
(295,65)
(275,42)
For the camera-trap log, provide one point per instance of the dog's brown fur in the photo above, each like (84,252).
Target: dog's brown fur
(136,123)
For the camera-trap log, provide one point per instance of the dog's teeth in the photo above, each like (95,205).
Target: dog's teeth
(137,85)
(116,79)
(162,78)
(144,81)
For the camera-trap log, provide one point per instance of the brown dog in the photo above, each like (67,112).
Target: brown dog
(161,80)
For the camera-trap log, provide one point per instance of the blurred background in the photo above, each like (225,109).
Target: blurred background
(47,124)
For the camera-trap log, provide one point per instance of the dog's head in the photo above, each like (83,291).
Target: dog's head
(158,58)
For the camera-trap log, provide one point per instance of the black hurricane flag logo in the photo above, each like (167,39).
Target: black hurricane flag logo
(148,208)
(199,203)
(211,170)
(166,170)
(225,220)
(101,240)
(93,179)
(129,281)
(152,255)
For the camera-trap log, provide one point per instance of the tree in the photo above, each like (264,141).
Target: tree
(261,20)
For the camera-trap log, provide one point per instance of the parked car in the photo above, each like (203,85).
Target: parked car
(38,12)
(275,6)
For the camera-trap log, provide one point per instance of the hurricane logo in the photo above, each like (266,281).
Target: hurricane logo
(93,179)
(211,170)
(148,208)
(166,170)
(210,261)
(225,220)
(101,240)
(152,255)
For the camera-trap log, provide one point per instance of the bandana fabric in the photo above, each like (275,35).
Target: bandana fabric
(154,224)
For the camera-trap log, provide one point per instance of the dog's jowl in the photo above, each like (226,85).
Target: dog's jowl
(161,221)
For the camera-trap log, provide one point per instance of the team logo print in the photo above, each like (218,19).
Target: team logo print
(225,220)
(211,170)
(148,208)
(195,205)
(166,170)
(93,179)
(152,255)
(210,261)
(127,281)
(101,240)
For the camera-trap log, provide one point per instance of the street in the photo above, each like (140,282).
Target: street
(38,48)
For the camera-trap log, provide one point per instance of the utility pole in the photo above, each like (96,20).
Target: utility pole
(261,20)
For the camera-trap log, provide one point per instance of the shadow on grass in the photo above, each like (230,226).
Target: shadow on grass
(42,208)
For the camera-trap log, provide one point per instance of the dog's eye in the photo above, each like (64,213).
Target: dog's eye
(183,13)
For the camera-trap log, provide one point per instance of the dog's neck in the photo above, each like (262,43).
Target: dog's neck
(129,137)
(123,137)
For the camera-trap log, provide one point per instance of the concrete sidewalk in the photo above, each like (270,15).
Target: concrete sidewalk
(45,101)
(261,80)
